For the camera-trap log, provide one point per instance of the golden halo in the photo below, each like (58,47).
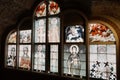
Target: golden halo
(77,48)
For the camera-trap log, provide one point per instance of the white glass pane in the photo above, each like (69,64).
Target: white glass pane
(74,33)
(93,57)
(102,49)
(25,56)
(41,10)
(11,56)
(93,48)
(54,30)
(53,8)
(25,36)
(39,58)
(40,30)
(54,58)
(111,58)
(111,49)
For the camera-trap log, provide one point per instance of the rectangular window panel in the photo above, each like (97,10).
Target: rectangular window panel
(111,49)
(25,36)
(40,31)
(25,56)
(39,58)
(12,37)
(11,56)
(74,33)
(74,60)
(103,63)
(54,58)
(54,30)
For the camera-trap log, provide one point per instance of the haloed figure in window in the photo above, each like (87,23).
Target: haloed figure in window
(12,58)
(54,30)
(25,59)
(40,58)
(73,61)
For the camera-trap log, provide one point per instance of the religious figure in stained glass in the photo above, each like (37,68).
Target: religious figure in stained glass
(54,30)
(25,58)
(39,63)
(40,30)
(41,10)
(74,33)
(73,61)
(100,32)
(53,8)
(25,36)
(11,59)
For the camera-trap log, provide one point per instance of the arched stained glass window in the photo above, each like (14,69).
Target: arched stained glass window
(11,49)
(102,52)
(47,36)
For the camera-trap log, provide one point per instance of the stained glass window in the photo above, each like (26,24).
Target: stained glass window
(54,30)
(74,60)
(54,58)
(53,8)
(39,58)
(25,56)
(41,10)
(74,33)
(103,62)
(12,37)
(25,36)
(11,56)
(40,30)
(99,32)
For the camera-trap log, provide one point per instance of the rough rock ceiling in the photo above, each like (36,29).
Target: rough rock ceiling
(10,10)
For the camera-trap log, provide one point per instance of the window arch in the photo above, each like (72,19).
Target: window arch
(102,51)
(47,36)
(77,48)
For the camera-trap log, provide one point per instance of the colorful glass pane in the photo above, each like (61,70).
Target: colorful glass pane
(99,32)
(53,8)
(41,10)
(12,37)
(54,58)
(25,56)
(11,56)
(40,30)
(54,30)
(39,58)
(74,33)
(25,36)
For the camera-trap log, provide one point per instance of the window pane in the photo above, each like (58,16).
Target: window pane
(40,30)
(54,30)
(11,56)
(74,61)
(25,56)
(100,32)
(74,33)
(39,58)
(54,58)
(25,36)
(41,10)
(12,37)
(103,63)
(53,8)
